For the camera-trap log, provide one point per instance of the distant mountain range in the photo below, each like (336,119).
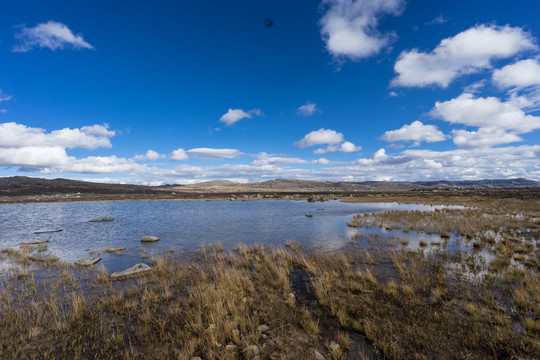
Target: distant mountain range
(20,186)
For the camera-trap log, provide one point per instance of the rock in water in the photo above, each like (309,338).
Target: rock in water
(44,257)
(87,261)
(102,219)
(47,231)
(135,269)
(149,239)
(114,249)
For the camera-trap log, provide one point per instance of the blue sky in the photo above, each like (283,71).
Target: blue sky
(183,92)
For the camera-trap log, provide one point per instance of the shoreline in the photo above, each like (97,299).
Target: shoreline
(431,196)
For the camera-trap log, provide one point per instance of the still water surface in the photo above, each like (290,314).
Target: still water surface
(180,225)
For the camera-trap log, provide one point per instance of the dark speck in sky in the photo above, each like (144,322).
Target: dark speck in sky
(268,22)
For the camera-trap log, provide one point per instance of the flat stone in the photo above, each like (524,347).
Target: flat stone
(87,261)
(252,349)
(334,346)
(317,355)
(230,347)
(47,231)
(101,219)
(114,249)
(263,328)
(135,269)
(149,239)
(44,257)
(195,358)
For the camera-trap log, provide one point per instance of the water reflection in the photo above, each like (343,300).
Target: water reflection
(182,224)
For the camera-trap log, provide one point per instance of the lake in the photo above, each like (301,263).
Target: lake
(180,225)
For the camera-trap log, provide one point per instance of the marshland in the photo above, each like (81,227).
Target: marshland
(353,281)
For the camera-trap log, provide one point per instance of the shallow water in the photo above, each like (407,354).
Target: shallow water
(180,225)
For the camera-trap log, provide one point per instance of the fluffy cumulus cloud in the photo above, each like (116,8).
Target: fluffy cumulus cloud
(13,135)
(488,112)
(233,116)
(150,155)
(320,137)
(344,147)
(335,142)
(520,75)
(214,154)
(522,81)
(179,155)
(484,137)
(498,122)
(349,27)
(36,150)
(307,109)
(52,35)
(416,131)
(468,52)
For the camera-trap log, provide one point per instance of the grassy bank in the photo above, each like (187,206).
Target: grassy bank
(292,303)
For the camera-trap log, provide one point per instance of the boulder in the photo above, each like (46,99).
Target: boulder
(43,257)
(87,261)
(135,269)
(101,219)
(149,239)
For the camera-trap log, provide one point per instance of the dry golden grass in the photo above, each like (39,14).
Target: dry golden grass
(212,302)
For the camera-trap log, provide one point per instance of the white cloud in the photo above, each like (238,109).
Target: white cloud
(179,155)
(52,35)
(40,156)
(265,159)
(13,135)
(376,157)
(4,97)
(232,116)
(103,165)
(213,154)
(465,53)
(489,112)
(484,137)
(3,111)
(321,161)
(520,75)
(349,27)
(256,112)
(320,137)
(475,87)
(438,20)
(344,147)
(150,155)
(393,94)
(416,131)
(307,109)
